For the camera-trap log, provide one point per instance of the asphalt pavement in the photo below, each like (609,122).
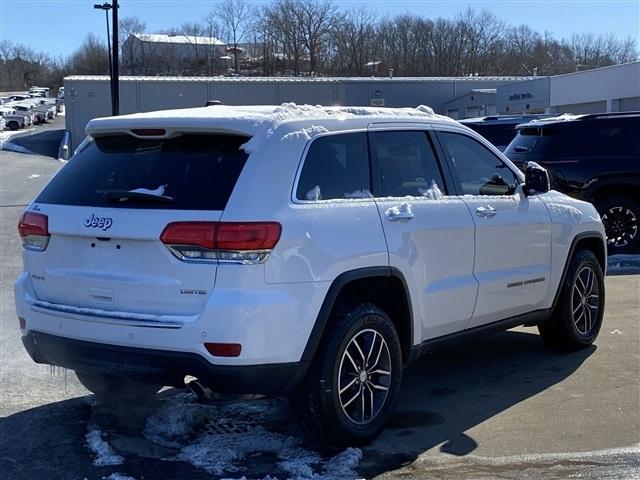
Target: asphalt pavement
(500,407)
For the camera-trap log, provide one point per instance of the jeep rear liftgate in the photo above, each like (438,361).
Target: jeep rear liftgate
(101,221)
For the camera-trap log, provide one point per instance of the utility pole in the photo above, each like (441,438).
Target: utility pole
(113,59)
(115,78)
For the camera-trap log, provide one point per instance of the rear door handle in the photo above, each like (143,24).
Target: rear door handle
(400,213)
(486,212)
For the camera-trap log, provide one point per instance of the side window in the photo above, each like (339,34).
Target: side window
(617,138)
(406,164)
(479,171)
(336,166)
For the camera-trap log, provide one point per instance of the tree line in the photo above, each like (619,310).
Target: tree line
(314,37)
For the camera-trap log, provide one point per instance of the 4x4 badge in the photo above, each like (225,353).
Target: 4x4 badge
(98,222)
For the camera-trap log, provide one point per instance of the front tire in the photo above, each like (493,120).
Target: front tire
(352,386)
(117,390)
(577,317)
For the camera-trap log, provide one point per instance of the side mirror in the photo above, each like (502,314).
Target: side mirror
(536,179)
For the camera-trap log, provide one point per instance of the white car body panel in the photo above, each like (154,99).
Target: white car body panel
(457,269)
(513,256)
(435,252)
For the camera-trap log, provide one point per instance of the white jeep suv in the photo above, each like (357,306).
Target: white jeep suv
(295,250)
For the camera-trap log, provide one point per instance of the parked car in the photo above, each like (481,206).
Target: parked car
(19,97)
(296,250)
(39,91)
(595,158)
(28,109)
(2,124)
(499,129)
(13,120)
(49,111)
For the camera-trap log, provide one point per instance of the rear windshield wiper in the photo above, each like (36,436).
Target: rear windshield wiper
(124,196)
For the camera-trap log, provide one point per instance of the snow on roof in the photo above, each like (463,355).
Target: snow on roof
(483,90)
(181,39)
(259,122)
(565,117)
(221,78)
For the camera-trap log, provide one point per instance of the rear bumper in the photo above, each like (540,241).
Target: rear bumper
(160,366)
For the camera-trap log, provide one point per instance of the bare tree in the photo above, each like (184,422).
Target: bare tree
(128,27)
(288,37)
(314,21)
(237,17)
(90,58)
(354,40)
(212,29)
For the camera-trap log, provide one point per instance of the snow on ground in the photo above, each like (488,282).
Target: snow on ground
(623,264)
(5,136)
(118,476)
(222,438)
(102,450)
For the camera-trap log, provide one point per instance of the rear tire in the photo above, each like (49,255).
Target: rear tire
(621,218)
(352,386)
(577,317)
(13,126)
(113,389)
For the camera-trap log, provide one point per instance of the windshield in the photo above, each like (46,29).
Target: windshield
(189,172)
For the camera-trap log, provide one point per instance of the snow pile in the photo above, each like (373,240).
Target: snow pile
(364,193)
(314,194)
(623,264)
(224,438)
(432,193)
(102,450)
(175,424)
(119,476)
(305,133)
(221,453)
(565,117)
(267,126)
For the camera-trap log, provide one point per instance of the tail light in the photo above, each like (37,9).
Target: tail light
(34,231)
(223,349)
(234,242)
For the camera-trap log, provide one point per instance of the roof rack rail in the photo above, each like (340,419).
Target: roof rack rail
(590,116)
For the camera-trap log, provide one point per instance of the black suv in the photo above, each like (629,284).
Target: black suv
(593,157)
(499,129)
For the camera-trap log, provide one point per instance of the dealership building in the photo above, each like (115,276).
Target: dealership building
(608,89)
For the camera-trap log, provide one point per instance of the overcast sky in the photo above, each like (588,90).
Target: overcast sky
(59,26)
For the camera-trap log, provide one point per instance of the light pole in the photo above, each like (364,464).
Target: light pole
(113,59)
(106,7)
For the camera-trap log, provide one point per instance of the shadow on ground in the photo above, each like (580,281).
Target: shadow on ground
(444,394)
(45,143)
(449,392)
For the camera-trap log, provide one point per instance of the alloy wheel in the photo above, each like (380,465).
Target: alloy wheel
(364,376)
(585,300)
(621,226)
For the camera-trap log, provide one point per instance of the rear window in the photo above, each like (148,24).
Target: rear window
(499,135)
(610,138)
(189,172)
(336,166)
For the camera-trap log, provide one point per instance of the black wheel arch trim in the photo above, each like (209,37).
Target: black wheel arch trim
(572,250)
(336,287)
